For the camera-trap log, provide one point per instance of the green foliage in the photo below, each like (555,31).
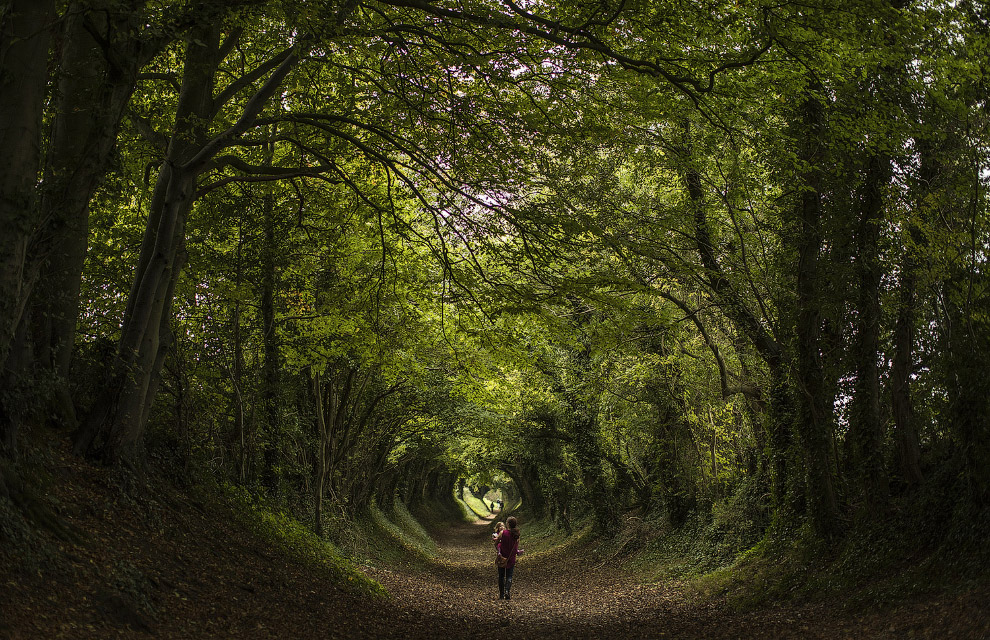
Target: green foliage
(877,564)
(412,531)
(476,506)
(281,529)
(389,537)
(704,546)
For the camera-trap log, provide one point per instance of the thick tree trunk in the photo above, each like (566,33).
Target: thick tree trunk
(25,38)
(550,494)
(582,402)
(671,438)
(92,92)
(116,422)
(814,409)
(780,423)
(525,477)
(905,428)
(89,105)
(865,428)
(582,399)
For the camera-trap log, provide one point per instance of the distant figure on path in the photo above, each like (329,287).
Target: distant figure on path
(507,544)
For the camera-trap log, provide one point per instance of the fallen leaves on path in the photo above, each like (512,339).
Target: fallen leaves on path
(565,599)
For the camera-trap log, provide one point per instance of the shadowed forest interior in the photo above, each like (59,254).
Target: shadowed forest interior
(698,290)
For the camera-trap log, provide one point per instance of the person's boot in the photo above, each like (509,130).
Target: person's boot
(508,588)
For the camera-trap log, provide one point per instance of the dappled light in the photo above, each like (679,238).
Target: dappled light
(304,306)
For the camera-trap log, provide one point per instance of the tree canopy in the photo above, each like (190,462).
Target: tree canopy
(616,256)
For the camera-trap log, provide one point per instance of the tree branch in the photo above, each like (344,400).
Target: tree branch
(249,78)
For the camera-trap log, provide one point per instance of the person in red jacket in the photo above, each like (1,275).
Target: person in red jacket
(508,547)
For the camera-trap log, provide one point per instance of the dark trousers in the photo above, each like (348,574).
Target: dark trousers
(504,580)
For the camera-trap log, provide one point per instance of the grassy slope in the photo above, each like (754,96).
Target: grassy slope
(128,556)
(875,566)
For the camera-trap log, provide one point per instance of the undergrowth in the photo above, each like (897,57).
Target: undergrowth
(912,550)
(437,515)
(543,540)
(278,528)
(393,536)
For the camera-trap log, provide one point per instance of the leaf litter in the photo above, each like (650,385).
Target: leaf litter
(167,566)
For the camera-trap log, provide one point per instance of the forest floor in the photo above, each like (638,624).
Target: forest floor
(556,596)
(170,566)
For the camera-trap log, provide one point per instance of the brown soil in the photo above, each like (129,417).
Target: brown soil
(168,566)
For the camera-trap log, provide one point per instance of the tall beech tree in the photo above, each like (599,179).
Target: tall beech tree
(100,49)
(117,419)
(102,52)
(24,43)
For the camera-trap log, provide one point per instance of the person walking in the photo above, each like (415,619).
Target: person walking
(507,545)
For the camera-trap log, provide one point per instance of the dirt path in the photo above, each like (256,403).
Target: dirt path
(458,598)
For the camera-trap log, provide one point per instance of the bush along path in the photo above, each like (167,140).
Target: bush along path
(557,595)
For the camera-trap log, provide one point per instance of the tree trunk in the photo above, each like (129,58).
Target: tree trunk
(905,428)
(582,401)
(865,428)
(120,414)
(25,37)
(88,108)
(814,409)
(271,365)
(780,430)
(116,423)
